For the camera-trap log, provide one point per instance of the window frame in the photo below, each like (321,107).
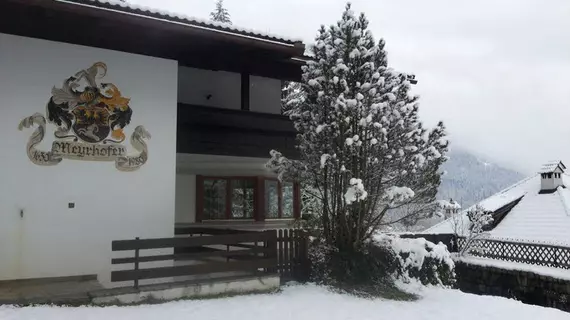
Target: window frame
(259,200)
(228,199)
(296,200)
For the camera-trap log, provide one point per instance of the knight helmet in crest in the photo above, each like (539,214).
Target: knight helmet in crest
(92,111)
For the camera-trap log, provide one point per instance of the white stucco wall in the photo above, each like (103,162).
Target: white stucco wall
(224,89)
(185,197)
(52,240)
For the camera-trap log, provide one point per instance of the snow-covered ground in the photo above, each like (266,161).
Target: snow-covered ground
(305,302)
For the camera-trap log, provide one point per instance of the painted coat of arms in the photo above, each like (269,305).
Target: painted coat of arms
(90,117)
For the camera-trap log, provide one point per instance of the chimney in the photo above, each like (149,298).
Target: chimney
(551,176)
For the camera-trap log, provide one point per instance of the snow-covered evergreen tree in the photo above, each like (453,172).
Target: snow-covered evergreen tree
(363,148)
(220,14)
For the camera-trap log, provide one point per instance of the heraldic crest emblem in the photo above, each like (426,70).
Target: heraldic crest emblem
(90,117)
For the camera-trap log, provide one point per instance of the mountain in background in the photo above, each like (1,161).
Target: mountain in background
(470,179)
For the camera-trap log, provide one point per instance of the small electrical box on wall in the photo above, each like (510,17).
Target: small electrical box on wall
(71,205)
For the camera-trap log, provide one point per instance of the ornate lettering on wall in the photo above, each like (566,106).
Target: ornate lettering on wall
(90,118)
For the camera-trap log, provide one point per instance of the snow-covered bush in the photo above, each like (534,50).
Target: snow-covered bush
(419,259)
(383,262)
(367,272)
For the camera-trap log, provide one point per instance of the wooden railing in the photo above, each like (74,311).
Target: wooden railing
(209,130)
(208,251)
(530,253)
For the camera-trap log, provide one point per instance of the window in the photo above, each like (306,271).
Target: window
(288,203)
(279,199)
(550,175)
(242,198)
(214,198)
(227,198)
(271,199)
(223,198)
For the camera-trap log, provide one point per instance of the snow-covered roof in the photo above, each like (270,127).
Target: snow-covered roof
(131,8)
(551,166)
(536,217)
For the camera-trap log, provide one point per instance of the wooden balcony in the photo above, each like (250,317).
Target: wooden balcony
(208,130)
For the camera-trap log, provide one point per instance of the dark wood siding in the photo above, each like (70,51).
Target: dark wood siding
(115,30)
(208,130)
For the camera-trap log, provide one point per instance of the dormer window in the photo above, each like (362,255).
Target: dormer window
(551,176)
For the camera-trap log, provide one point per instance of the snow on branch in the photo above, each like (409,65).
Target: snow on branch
(396,195)
(355,192)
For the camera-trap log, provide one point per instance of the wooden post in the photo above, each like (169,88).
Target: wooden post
(271,245)
(304,255)
(280,259)
(137,264)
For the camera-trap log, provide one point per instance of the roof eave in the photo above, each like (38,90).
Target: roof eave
(117,9)
(158,23)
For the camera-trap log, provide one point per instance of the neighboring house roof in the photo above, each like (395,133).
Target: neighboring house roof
(551,166)
(524,214)
(180,18)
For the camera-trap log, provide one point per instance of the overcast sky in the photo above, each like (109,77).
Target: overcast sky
(497,72)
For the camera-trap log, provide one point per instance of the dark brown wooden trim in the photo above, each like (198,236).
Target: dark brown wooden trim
(260,212)
(297,200)
(147,22)
(190,46)
(279,199)
(245,86)
(259,199)
(186,110)
(159,243)
(194,255)
(199,198)
(255,191)
(47,280)
(207,230)
(209,130)
(228,201)
(204,268)
(228,198)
